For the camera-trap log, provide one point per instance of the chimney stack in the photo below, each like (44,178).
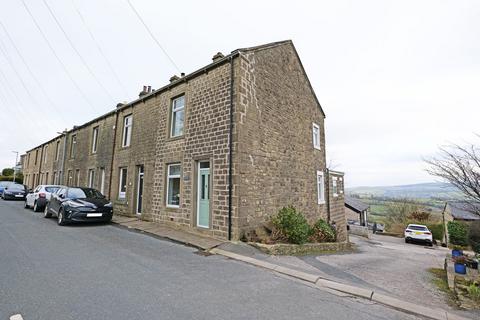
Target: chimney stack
(143,92)
(174,78)
(218,56)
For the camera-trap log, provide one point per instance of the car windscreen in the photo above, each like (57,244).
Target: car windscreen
(417,228)
(51,189)
(80,193)
(16,187)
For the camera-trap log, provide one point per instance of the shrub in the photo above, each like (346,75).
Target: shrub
(457,233)
(437,231)
(420,216)
(322,232)
(291,226)
(474,291)
(18,178)
(474,236)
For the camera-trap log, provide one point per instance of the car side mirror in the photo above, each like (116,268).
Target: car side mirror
(6,188)
(62,196)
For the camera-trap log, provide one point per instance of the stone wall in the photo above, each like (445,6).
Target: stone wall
(275,161)
(336,203)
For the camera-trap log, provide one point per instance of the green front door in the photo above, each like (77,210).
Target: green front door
(203,190)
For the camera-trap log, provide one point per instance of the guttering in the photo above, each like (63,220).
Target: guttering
(230,152)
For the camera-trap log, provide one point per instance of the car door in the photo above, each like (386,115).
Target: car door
(31,196)
(56,199)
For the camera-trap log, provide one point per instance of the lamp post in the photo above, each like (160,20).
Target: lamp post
(15,167)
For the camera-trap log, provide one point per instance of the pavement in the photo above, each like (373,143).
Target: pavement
(100,271)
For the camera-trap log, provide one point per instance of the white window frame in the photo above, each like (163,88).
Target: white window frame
(320,187)
(173,176)
(335,186)
(102,180)
(73,147)
(94,140)
(341,182)
(91,178)
(122,194)
(127,131)
(176,109)
(316,136)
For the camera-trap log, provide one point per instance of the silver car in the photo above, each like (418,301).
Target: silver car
(38,198)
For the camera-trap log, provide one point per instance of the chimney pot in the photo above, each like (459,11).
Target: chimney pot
(218,56)
(143,92)
(149,89)
(182,74)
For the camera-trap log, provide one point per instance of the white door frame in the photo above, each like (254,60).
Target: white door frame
(199,183)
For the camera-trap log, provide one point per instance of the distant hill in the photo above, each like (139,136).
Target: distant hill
(434,190)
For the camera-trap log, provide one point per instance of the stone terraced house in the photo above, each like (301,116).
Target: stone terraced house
(217,151)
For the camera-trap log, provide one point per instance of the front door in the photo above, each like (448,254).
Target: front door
(140,190)
(203,195)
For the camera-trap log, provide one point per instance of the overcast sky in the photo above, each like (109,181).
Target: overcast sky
(396,79)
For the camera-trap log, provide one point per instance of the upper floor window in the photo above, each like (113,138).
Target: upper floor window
(73,146)
(320,187)
(36,156)
(316,136)
(45,154)
(127,130)
(57,150)
(178,116)
(94,139)
(335,186)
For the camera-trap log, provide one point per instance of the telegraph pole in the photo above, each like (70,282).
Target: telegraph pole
(15,166)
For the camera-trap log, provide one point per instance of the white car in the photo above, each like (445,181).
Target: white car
(38,198)
(418,233)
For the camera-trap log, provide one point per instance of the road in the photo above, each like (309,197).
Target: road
(106,272)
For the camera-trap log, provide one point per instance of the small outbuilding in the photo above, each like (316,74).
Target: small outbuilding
(356,210)
(459,211)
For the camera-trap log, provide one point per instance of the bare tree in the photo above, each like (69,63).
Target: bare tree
(461,167)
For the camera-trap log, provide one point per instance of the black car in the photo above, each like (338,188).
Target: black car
(14,191)
(76,204)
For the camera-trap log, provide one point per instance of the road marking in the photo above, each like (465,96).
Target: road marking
(16,317)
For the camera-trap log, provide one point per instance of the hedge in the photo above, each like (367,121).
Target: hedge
(457,233)
(18,179)
(437,231)
(474,236)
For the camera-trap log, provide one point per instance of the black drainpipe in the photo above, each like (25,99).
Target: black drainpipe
(230,154)
(113,156)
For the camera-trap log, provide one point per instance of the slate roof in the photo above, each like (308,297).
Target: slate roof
(355,204)
(462,210)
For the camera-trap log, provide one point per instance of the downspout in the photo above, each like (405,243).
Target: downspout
(230,154)
(40,166)
(64,157)
(113,155)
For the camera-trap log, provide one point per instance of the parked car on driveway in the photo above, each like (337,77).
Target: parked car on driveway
(38,198)
(14,191)
(4,184)
(76,204)
(418,233)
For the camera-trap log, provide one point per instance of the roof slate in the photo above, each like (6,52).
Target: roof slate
(462,210)
(355,204)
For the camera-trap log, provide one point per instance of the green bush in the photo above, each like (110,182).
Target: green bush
(474,291)
(474,236)
(457,233)
(18,178)
(291,226)
(437,231)
(322,232)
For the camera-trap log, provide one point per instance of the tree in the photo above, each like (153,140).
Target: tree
(401,211)
(459,165)
(7,172)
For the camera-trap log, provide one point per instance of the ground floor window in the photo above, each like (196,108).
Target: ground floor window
(122,186)
(91,178)
(320,187)
(173,185)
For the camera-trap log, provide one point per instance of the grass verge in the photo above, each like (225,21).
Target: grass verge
(440,281)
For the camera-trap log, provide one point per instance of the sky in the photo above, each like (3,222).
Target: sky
(396,79)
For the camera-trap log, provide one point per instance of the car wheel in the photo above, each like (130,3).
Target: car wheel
(406,240)
(46,212)
(430,244)
(35,207)
(60,218)
(25,205)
